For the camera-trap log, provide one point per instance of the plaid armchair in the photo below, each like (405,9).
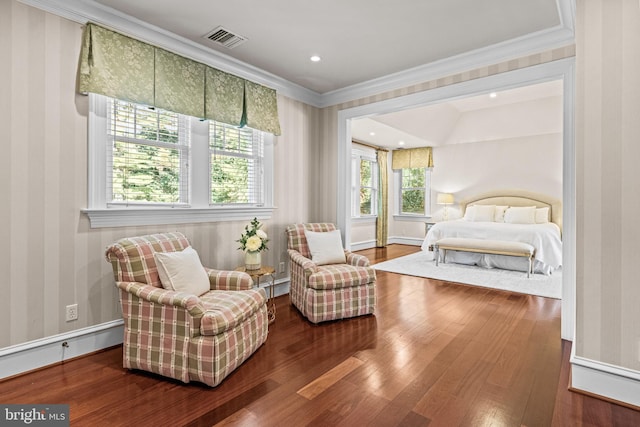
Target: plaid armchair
(328,292)
(180,335)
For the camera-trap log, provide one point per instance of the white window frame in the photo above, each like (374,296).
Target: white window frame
(183,146)
(103,214)
(401,216)
(356,157)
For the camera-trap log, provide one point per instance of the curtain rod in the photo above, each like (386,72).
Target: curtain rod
(355,141)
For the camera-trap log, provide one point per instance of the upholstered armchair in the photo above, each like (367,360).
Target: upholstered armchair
(176,333)
(331,289)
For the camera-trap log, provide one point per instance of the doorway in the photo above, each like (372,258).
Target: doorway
(557,70)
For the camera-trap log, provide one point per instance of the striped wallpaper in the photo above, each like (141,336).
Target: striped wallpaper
(51,258)
(607,197)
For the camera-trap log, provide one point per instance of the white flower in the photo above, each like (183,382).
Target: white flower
(254,243)
(261,234)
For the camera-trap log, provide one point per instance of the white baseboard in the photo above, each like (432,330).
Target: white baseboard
(359,246)
(605,380)
(22,358)
(39,353)
(413,241)
(369,244)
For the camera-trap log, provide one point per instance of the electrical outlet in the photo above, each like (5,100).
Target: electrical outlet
(281,267)
(72,312)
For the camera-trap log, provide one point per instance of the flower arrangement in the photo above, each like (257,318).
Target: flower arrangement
(253,239)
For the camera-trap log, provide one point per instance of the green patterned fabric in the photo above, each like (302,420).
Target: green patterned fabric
(120,67)
(261,108)
(224,97)
(117,66)
(179,83)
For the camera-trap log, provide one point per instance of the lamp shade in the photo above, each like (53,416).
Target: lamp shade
(444,199)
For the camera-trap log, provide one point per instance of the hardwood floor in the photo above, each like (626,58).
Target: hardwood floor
(436,353)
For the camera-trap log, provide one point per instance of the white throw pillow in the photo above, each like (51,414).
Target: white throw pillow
(182,271)
(499,214)
(469,213)
(325,247)
(542,215)
(484,213)
(520,215)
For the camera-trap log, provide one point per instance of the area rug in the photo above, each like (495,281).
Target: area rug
(421,264)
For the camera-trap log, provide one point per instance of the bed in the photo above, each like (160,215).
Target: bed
(506,216)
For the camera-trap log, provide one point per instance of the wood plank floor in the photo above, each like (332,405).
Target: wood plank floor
(436,353)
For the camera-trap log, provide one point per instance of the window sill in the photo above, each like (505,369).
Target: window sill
(125,217)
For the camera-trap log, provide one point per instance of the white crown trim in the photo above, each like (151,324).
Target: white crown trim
(84,11)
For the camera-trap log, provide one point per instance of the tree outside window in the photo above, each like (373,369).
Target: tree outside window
(364,186)
(413,192)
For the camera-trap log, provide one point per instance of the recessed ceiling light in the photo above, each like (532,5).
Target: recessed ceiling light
(493,94)
(315,58)
(400,142)
(372,133)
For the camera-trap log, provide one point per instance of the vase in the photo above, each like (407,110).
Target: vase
(252,260)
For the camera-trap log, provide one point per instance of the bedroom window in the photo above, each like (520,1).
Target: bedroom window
(148,166)
(364,185)
(413,191)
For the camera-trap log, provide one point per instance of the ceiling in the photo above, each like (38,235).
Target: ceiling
(506,115)
(357,40)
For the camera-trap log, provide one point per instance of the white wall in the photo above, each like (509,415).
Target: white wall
(529,163)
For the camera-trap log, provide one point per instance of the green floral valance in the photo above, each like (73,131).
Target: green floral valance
(118,66)
(412,158)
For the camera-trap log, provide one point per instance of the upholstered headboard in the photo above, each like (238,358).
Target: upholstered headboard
(518,198)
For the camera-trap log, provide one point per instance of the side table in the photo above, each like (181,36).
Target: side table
(256,276)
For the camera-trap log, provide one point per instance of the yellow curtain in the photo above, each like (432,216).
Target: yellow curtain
(120,67)
(382,226)
(412,158)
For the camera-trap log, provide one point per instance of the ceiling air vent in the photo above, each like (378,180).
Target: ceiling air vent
(225,37)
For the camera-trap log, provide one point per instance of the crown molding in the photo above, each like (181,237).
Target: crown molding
(560,36)
(83,11)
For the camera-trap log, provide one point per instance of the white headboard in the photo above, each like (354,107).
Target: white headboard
(518,198)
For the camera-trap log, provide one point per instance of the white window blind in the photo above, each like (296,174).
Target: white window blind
(236,164)
(147,155)
(364,185)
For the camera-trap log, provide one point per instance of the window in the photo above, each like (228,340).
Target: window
(149,166)
(236,159)
(414,190)
(148,155)
(364,185)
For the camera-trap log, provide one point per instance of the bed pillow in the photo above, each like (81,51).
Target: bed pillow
(484,213)
(325,247)
(499,214)
(542,215)
(469,213)
(182,271)
(520,215)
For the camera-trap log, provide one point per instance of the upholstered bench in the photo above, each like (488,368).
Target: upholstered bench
(494,247)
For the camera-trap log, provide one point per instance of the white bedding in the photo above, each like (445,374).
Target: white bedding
(546,238)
